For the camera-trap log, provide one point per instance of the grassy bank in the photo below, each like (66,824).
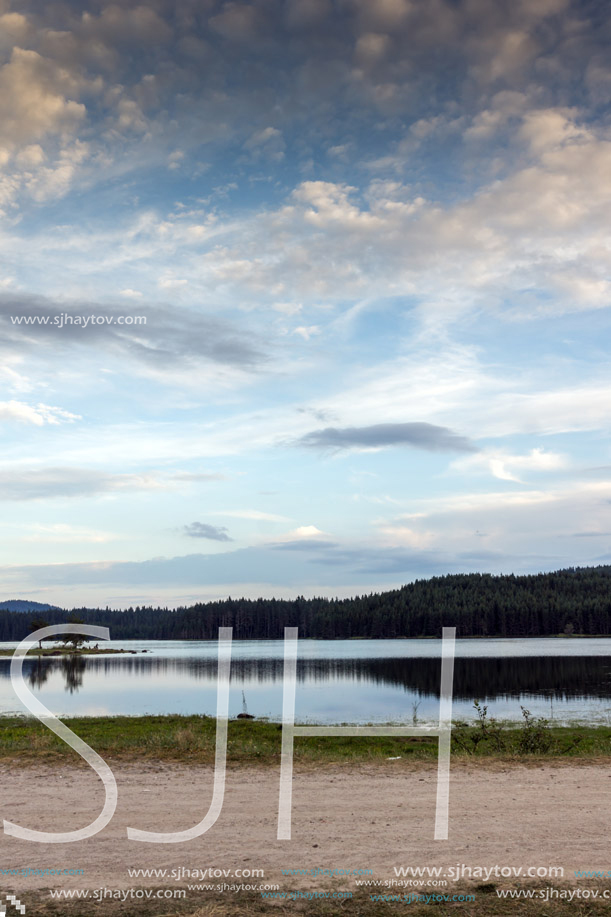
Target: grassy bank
(192,739)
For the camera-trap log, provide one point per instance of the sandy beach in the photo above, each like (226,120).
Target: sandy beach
(370,817)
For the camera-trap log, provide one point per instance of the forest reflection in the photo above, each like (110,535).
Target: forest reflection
(72,668)
(558,677)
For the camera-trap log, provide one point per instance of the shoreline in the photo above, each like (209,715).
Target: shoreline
(191,739)
(353,638)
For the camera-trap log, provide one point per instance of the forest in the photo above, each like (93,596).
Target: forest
(570,601)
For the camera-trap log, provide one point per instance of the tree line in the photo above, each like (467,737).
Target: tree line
(571,601)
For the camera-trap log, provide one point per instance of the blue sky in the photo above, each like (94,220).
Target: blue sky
(344,268)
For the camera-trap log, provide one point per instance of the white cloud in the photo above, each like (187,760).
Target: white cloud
(16,381)
(175,160)
(170,282)
(306,531)
(504,501)
(259,138)
(307,332)
(14,28)
(38,415)
(56,180)
(440,385)
(504,54)
(32,155)
(129,117)
(503,465)
(48,482)
(116,25)
(520,233)
(396,534)
(487,123)
(287,308)
(35,99)
(546,525)
(542,227)
(550,129)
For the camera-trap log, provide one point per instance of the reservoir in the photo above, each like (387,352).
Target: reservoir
(565,680)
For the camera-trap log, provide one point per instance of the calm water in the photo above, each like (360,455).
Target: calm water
(338,681)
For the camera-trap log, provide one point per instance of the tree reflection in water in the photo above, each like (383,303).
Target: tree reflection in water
(71,667)
(551,678)
(39,674)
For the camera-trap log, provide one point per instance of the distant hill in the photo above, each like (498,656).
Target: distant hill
(572,601)
(24,605)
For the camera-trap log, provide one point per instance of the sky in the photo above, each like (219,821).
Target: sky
(301,297)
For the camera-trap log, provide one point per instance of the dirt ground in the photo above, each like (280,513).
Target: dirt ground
(370,817)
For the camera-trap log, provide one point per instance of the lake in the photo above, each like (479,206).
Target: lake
(338,681)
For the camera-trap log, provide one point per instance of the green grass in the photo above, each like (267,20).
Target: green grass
(192,739)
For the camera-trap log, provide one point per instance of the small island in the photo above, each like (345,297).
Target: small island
(71,651)
(70,644)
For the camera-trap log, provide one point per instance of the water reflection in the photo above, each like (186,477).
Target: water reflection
(72,669)
(38,674)
(551,677)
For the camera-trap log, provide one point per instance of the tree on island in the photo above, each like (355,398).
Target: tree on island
(76,640)
(37,624)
